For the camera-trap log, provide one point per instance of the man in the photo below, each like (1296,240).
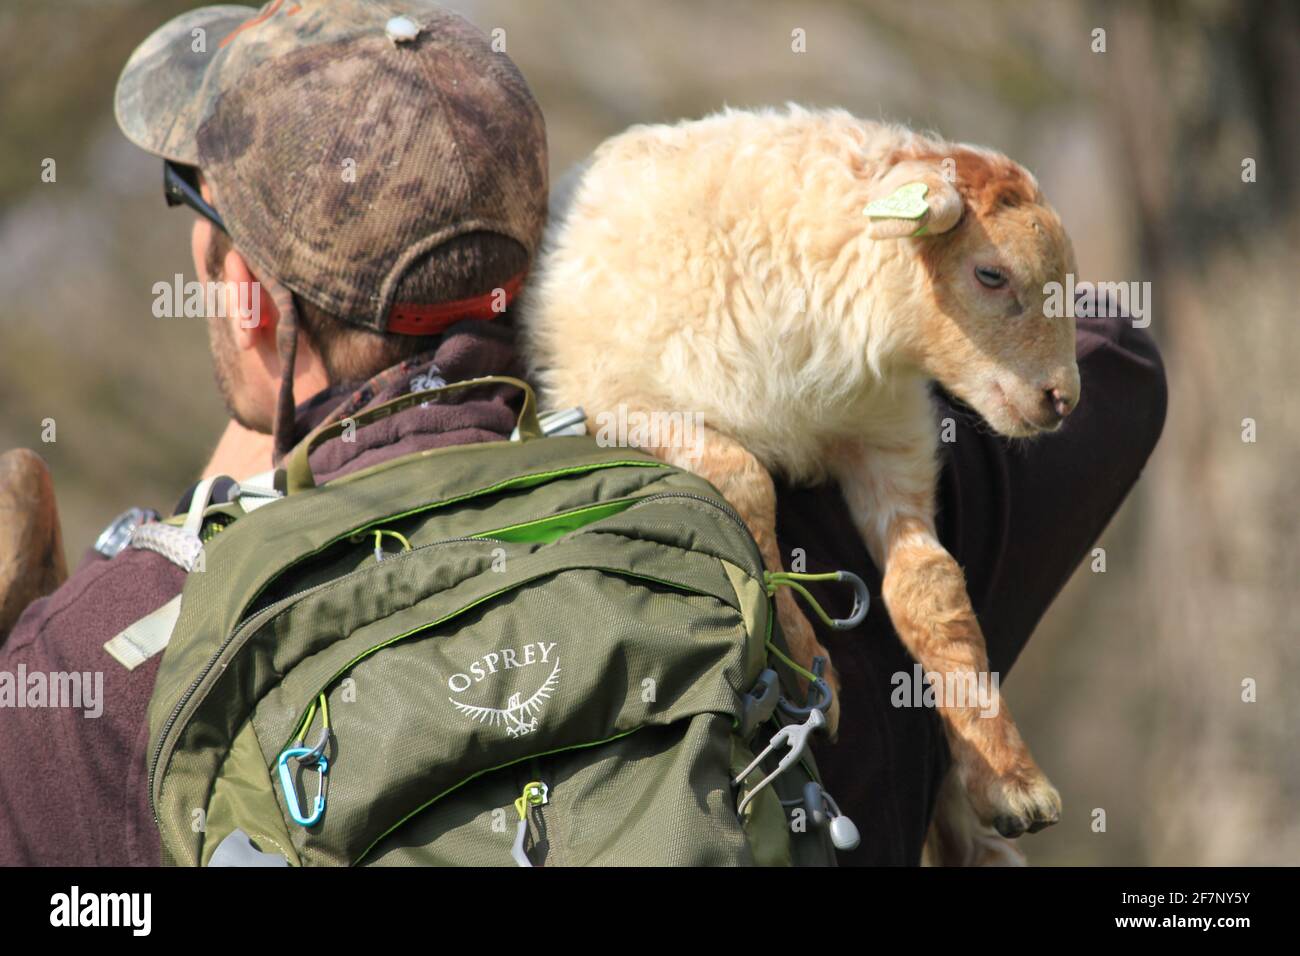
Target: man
(383,182)
(372,191)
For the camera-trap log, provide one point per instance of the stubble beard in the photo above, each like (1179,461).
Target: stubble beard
(225,370)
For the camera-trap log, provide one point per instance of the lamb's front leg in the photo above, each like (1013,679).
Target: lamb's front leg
(748,488)
(891,496)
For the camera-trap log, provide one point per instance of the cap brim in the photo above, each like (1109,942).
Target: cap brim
(158,102)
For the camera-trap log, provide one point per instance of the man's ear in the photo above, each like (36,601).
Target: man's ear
(913,199)
(249,308)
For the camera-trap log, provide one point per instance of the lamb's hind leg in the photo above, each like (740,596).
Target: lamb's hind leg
(890,495)
(748,488)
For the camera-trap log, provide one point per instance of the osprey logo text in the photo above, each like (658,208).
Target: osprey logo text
(520,716)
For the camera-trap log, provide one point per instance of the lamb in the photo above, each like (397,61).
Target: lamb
(798,278)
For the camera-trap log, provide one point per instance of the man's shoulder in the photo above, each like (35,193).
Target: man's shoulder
(99,600)
(72,778)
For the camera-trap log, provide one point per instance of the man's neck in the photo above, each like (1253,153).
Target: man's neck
(240,453)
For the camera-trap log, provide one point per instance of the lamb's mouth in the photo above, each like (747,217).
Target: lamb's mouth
(999,412)
(1025,426)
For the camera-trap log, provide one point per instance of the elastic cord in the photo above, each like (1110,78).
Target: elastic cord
(379,537)
(791,579)
(323,703)
(785,658)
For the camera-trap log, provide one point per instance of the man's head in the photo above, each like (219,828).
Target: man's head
(331,350)
(379,178)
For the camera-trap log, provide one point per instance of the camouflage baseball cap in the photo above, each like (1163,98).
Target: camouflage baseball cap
(381,160)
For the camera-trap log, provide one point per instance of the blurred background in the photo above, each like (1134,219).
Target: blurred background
(1131,693)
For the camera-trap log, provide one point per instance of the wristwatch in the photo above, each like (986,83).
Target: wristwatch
(115,537)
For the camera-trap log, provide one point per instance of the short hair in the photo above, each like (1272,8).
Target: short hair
(466,266)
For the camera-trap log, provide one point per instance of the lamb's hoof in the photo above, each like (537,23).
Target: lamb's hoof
(1024,805)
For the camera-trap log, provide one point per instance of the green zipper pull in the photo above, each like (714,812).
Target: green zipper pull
(535,794)
(379,541)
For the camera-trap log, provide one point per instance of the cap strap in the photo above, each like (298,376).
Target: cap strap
(286,344)
(408,318)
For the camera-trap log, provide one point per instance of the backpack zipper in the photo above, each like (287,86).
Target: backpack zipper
(719,503)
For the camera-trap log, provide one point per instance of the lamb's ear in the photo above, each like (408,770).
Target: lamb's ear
(912,199)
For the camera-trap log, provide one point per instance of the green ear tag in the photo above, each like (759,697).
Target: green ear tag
(905,202)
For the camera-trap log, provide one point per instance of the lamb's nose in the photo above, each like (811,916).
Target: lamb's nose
(1060,403)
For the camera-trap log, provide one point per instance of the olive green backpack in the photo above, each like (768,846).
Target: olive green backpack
(534,652)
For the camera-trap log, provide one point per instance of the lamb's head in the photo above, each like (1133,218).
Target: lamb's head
(988,248)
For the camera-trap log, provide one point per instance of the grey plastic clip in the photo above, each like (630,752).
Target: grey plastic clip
(759,703)
(564,421)
(861,602)
(315,753)
(795,736)
(823,811)
(517,851)
(820,694)
(844,832)
(237,850)
(117,535)
(814,801)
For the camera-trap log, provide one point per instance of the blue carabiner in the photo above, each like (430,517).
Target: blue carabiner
(291,789)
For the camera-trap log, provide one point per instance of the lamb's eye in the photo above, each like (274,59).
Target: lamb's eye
(990,278)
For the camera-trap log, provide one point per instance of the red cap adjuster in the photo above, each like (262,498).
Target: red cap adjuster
(407,318)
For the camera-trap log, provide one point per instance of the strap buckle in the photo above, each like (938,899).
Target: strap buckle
(759,702)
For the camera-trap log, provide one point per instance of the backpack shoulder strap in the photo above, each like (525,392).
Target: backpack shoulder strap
(181,545)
